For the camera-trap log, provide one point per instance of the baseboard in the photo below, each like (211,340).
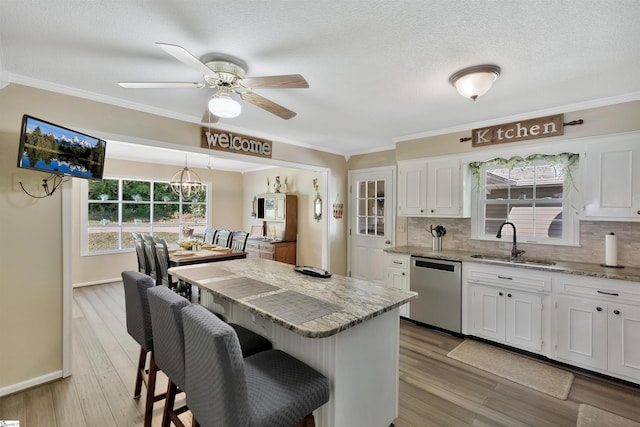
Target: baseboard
(97,282)
(14,388)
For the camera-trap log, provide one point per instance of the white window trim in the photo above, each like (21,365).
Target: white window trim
(570,217)
(84,214)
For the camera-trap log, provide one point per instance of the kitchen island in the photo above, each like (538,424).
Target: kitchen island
(347,329)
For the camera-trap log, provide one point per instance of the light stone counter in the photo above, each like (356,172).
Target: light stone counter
(347,329)
(583,269)
(311,306)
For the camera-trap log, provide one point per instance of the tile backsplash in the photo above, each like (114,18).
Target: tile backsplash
(591,249)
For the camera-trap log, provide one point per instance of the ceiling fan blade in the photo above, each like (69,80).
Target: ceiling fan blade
(207,117)
(182,55)
(288,81)
(265,104)
(161,85)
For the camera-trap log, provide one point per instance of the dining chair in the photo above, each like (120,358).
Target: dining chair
(162,255)
(166,319)
(138,319)
(270,388)
(209,236)
(223,238)
(150,252)
(239,241)
(142,258)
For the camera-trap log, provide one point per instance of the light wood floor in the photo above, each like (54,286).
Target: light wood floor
(434,390)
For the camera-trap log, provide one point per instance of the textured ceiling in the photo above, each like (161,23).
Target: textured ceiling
(378,70)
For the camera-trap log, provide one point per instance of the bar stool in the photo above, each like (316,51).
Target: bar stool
(166,318)
(270,388)
(139,327)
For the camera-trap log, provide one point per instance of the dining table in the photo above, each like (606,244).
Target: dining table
(178,257)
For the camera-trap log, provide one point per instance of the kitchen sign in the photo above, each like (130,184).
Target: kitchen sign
(216,139)
(542,127)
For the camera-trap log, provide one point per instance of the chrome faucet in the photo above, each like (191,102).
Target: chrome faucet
(514,250)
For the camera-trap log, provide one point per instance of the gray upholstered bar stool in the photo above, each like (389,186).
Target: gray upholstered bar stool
(139,327)
(165,306)
(166,318)
(270,388)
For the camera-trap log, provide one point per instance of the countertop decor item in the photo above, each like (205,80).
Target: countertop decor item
(611,251)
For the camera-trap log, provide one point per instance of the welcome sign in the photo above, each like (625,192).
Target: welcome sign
(216,139)
(542,127)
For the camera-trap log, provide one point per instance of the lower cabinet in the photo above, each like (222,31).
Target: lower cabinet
(276,251)
(599,334)
(397,275)
(508,316)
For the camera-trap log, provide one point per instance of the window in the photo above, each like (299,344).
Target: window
(118,206)
(371,200)
(533,193)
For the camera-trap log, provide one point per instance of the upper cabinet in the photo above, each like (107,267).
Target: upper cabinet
(412,188)
(430,188)
(279,210)
(611,177)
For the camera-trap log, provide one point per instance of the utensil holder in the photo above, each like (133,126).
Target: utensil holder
(437,244)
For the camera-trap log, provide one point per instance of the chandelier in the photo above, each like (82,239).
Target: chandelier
(185,183)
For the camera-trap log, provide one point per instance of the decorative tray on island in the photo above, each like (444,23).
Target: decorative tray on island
(312,271)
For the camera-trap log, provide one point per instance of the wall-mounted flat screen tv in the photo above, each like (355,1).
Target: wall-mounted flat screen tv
(47,147)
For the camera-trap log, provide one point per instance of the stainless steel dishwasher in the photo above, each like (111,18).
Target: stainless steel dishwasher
(439,285)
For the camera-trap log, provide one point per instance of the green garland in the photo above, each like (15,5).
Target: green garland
(570,160)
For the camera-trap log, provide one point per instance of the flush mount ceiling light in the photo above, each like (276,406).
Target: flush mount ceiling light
(185,183)
(222,105)
(475,81)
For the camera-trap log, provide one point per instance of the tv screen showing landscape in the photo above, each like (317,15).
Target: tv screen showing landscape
(51,148)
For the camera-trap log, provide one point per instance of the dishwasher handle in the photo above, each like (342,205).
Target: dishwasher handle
(420,263)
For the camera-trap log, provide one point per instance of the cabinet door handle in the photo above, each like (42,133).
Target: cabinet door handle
(509,295)
(616,311)
(505,277)
(403,273)
(397,262)
(598,308)
(500,293)
(615,294)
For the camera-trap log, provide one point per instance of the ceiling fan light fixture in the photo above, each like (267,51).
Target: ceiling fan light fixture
(475,81)
(222,105)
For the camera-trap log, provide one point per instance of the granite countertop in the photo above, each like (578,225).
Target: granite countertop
(309,306)
(567,267)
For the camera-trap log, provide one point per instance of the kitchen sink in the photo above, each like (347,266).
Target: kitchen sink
(512,260)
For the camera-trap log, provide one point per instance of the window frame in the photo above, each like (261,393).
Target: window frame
(570,214)
(84,212)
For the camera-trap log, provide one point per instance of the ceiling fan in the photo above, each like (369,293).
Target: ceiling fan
(226,76)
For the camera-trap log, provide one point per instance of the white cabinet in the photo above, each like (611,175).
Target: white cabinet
(508,316)
(598,325)
(397,275)
(443,188)
(430,188)
(412,188)
(505,305)
(612,179)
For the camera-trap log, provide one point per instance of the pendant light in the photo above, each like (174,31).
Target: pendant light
(185,183)
(475,81)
